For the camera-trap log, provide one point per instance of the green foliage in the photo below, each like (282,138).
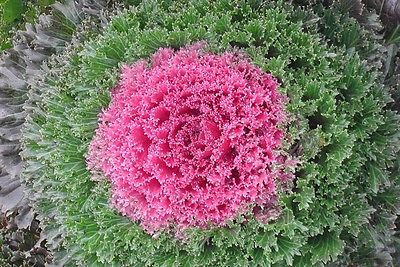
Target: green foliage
(10,13)
(341,129)
(11,10)
(15,13)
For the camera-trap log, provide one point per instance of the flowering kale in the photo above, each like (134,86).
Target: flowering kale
(187,141)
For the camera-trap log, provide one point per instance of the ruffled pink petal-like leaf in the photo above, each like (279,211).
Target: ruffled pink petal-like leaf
(190,139)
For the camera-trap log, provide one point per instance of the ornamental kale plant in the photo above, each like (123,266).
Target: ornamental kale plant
(331,113)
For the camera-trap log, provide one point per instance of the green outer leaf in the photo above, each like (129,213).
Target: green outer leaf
(10,10)
(376,177)
(326,247)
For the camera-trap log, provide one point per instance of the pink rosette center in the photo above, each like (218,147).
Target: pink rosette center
(191,139)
